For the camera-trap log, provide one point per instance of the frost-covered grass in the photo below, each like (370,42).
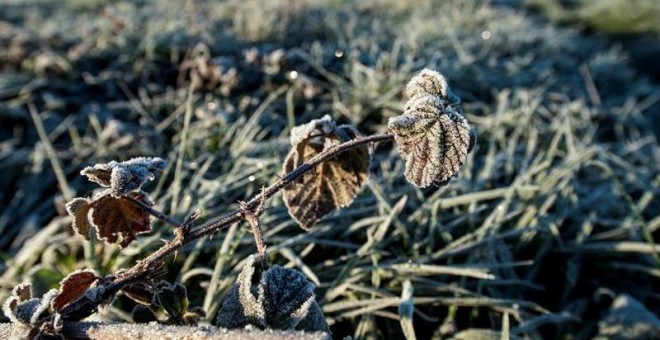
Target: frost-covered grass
(554,215)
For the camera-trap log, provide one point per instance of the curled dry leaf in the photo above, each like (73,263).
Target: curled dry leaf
(240,307)
(332,184)
(79,208)
(72,287)
(113,217)
(125,177)
(431,135)
(284,300)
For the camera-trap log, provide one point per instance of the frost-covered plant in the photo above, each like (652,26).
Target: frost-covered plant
(432,135)
(323,172)
(284,299)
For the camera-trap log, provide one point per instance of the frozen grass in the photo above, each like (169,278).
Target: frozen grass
(556,209)
(609,16)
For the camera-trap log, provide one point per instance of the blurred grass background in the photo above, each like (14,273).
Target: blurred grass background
(554,216)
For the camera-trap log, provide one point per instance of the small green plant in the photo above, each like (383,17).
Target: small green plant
(324,171)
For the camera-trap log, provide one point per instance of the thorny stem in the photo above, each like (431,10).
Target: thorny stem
(253,219)
(83,307)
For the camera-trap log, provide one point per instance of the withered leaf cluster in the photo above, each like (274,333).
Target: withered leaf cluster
(23,308)
(115,219)
(113,215)
(332,184)
(432,135)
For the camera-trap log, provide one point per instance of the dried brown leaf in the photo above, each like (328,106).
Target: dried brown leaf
(118,216)
(330,185)
(79,209)
(431,135)
(23,291)
(72,287)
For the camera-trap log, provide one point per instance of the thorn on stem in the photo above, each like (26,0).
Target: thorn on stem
(252,218)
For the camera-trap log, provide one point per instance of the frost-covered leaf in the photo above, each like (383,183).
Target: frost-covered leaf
(239,307)
(21,308)
(113,217)
(20,294)
(314,321)
(72,287)
(99,173)
(24,311)
(79,208)
(431,135)
(44,306)
(284,299)
(430,83)
(125,177)
(427,83)
(286,296)
(332,184)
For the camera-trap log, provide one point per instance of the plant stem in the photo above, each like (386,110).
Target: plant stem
(83,307)
(226,220)
(253,219)
(155,213)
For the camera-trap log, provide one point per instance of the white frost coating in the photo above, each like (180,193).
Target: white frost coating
(324,126)
(427,83)
(301,313)
(25,310)
(20,294)
(431,135)
(124,177)
(43,305)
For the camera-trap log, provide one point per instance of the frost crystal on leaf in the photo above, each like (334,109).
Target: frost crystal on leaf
(21,308)
(240,307)
(285,300)
(24,311)
(427,83)
(286,296)
(44,305)
(330,185)
(125,177)
(431,135)
(19,295)
(315,130)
